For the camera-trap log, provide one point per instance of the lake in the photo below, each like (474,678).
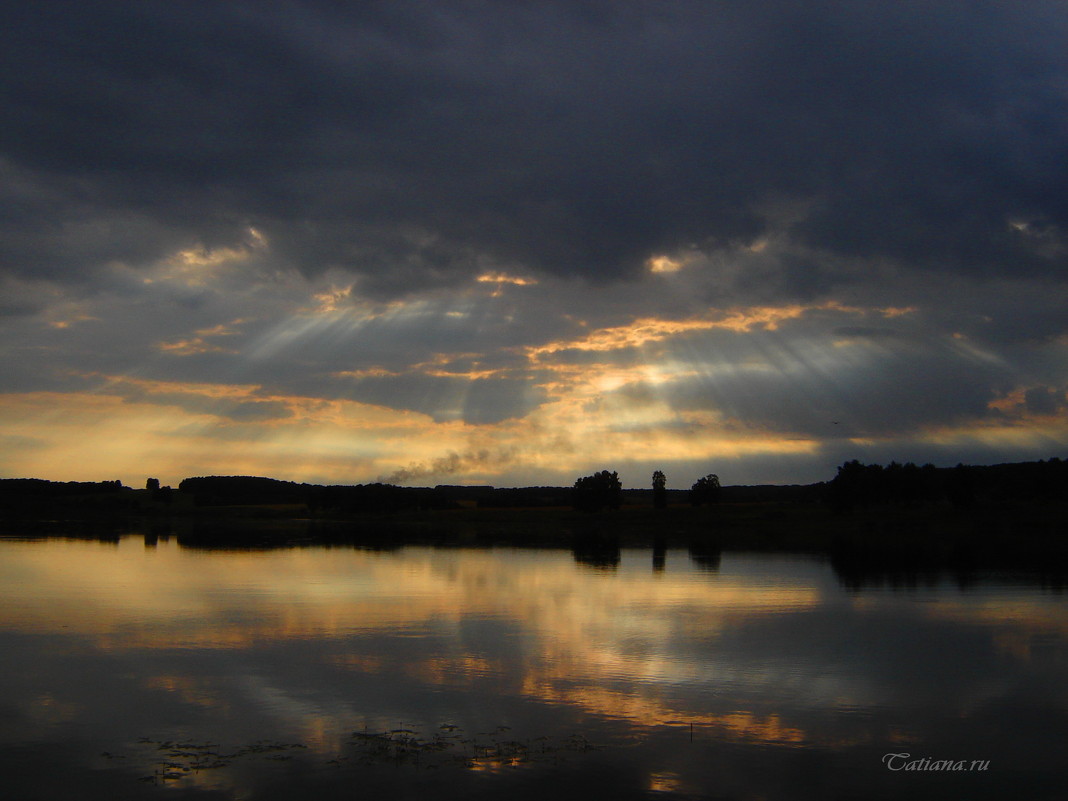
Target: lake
(137,668)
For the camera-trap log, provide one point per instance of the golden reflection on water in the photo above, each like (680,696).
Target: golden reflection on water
(665,781)
(742,726)
(606,643)
(579,628)
(165,597)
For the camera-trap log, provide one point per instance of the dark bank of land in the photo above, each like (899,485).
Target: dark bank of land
(867,516)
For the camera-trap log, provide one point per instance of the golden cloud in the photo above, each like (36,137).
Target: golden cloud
(504,278)
(653,329)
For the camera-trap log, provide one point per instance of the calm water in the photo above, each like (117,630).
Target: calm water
(134,670)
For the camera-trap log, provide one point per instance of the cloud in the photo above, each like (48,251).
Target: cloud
(450,465)
(418,144)
(474,400)
(1044,400)
(571,228)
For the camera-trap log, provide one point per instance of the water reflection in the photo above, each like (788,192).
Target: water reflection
(710,673)
(597,552)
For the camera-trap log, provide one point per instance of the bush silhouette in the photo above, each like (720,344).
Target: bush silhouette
(593,493)
(705,490)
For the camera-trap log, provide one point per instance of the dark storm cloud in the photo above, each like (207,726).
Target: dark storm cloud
(415,143)
(479,401)
(17,308)
(1043,400)
(866,332)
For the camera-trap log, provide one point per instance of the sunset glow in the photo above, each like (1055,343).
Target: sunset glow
(493,272)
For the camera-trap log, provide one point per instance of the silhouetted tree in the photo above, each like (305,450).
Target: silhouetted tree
(593,493)
(659,490)
(152,484)
(857,485)
(705,490)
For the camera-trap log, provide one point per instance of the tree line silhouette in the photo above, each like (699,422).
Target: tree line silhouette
(604,490)
(855,486)
(963,487)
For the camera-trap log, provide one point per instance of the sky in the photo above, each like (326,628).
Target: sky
(514,243)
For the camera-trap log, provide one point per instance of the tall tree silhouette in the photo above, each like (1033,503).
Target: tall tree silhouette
(659,490)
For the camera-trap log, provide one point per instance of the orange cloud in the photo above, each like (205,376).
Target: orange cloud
(86,436)
(652,329)
(503,278)
(199,344)
(664,264)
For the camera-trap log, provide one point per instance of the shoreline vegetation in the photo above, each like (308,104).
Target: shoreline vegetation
(868,518)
